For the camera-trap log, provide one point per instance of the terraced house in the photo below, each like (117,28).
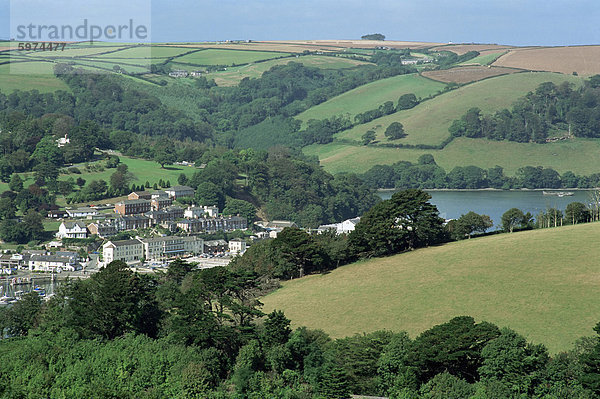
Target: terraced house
(133,207)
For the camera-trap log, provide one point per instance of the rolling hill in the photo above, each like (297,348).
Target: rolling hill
(541,283)
(372,95)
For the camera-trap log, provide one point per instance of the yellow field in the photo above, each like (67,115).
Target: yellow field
(585,60)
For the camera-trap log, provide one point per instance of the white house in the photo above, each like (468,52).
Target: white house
(81,212)
(63,141)
(125,250)
(74,229)
(237,246)
(179,191)
(53,263)
(196,212)
(344,227)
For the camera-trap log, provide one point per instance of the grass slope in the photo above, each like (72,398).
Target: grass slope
(428,122)
(371,96)
(542,283)
(233,75)
(30,76)
(227,57)
(581,156)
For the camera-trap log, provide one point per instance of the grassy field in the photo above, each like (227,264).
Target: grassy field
(372,95)
(580,155)
(428,122)
(543,284)
(32,75)
(484,59)
(142,169)
(227,57)
(233,75)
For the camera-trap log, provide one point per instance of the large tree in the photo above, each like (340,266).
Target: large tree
(395,131)
(406,221)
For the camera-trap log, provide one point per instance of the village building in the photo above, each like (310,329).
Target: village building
(55,263)
(179,191)
(132,222)
(133,207)
(82,212)
(124,250)
(215,246)
(136,195)
(14,261)
(212,225)
(195,212)
(170,214)
(158,194)
(75,229)
(103,229)
(237,246)
(167,247)
(344,227)
(57,214)
(161,203)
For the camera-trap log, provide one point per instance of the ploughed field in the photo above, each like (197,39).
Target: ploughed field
(542,283)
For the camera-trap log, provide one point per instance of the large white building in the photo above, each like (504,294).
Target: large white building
(125,250)
(155,248)
(196,212)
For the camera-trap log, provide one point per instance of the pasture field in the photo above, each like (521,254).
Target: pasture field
(428,122)
(284,47)
(361,44)
(585,60)
(233,75)
(371,96)
(467,74)
(32,75)
(72,52)
(227,57)
(461,49)
(542,283)
(485,58)
(581,156)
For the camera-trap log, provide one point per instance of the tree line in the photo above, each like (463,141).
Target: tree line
(427,174)
(551,110)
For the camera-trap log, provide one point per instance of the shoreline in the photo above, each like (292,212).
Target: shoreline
(384,190)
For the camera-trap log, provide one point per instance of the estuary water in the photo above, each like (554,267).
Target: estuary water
(454,203)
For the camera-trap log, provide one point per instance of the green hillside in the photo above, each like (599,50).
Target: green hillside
(581,156)
(542,283)
(428,122)
(372,95)
(233,75)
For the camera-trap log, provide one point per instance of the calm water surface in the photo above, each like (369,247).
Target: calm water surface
(453,204)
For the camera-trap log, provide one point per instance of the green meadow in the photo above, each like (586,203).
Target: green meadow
(372,95)
(543,284)
(581,156)
(428,122)
(227,57)
(30,76)
(484,59)
(233,75)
